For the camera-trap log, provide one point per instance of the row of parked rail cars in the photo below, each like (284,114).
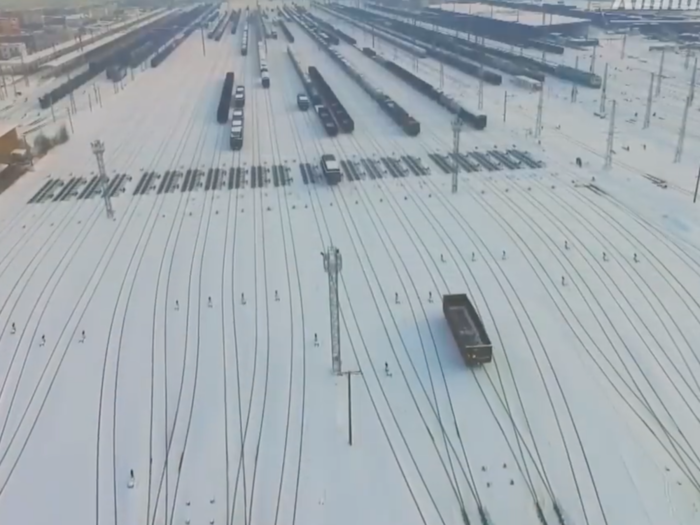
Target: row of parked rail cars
(394,110)
(462,53)
(237,129)
(474,120)
(125,51)
(383,33)
(341,116)
(285,31)
(225,100)
(244,40)
(329,125)
(328,38)
(262,62)
(239,98)
(328,28)
(235,18)
(168,34)
(172,45)
(266,29)
(469,24)
(219,27)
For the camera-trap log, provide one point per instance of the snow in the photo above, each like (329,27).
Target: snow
(228,411)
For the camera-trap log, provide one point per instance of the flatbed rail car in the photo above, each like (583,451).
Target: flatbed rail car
(467,329)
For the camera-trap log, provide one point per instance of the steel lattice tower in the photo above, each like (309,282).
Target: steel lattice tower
(98,149)
(333,264)
(456,130)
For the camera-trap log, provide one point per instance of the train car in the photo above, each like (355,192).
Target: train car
(527,83)
(331,169)
(467,329)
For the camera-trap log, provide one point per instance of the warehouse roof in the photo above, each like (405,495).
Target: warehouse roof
(506,14)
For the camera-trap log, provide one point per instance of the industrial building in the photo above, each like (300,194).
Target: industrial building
(10,141)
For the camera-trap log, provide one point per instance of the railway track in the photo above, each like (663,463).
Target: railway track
(163,483)
(86,229)
(282,203)
(572,471)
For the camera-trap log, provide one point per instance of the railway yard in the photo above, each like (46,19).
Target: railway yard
(172,365)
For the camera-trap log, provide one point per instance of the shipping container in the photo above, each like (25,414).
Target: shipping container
(467,329)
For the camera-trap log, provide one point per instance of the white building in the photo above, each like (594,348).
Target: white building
(10,50)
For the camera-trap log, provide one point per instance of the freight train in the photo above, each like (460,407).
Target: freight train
(329,125)
(394,110)
(337,110)
(285,30)
(328,28)
(122,53)
(225,100)
(262,63)
(474,120)
(244,41)
(436,39)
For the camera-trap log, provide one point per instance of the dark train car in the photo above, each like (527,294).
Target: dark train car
(331,169)
(467,329)
(225,100)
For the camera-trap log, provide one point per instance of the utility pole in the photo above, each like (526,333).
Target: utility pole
(4,83)
(456,130)
(574,87)
(697,184)
(595,48)
(505,105)
(70,119)
(481,87)
(661,72)
(333,264)
(692,81)
(681,136)
(611,138)
(540,106)
(650,96)
(442,76)
(603,93)
(349,375)
(98,149)
(687,59)
(204,47)
(624,46)
(24,69)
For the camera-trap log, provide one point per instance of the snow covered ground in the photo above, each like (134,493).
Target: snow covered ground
(199,370)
